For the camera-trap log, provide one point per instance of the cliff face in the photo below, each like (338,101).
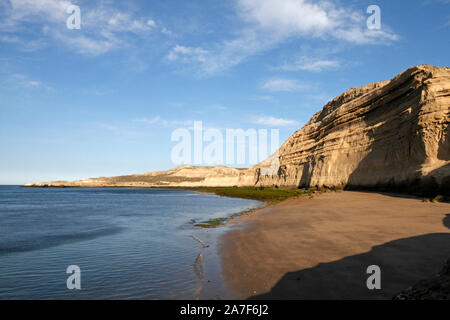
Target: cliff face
(390,135)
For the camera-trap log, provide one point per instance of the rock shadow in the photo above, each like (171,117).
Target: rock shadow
(402,262)
(446,220)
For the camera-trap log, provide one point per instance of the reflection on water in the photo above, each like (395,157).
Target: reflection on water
(129,243)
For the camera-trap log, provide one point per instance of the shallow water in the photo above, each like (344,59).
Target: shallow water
(128,243)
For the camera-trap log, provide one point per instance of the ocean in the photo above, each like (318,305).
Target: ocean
(127,243)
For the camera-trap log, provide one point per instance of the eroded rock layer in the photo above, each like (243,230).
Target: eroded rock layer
(392,135)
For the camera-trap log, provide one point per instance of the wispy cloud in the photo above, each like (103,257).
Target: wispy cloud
(187,54)
(19,81)
(33,84)
(274,122)
(26,45)
(268,23)
(153,121)
(311,64)
(286,85)
(103,26)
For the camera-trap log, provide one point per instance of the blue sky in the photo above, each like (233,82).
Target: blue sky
(103,100)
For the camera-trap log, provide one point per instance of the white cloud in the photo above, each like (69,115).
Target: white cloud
(366,36)
(287,85)
(18,81)
(151,23)
(187,54)
(223,55)
(313,19)
(311,64)
(268,23)
(274,122)
(28,10)
(87,45)
(153,121)
(33,83)
(166,31)
(314,59)
(104,26)
(286,17)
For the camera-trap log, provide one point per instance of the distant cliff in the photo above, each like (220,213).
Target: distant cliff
(391,135)
(182,176)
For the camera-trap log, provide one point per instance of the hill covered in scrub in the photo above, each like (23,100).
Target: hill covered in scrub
(391,135)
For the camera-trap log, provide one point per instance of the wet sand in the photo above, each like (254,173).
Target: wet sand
(320,248)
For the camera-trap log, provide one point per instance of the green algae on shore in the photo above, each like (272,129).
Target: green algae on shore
(268,196)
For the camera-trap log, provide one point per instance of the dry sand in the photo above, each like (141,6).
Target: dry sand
(320,248)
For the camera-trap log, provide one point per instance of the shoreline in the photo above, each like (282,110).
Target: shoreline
(320,248)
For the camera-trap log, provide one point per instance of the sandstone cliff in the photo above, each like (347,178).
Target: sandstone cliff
(391,135)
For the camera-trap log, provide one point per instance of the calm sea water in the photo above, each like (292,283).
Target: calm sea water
(128,243)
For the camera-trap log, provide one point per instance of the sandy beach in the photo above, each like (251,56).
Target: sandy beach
(320,248)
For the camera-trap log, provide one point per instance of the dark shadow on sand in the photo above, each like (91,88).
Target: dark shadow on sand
(446,220)
(403,262)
